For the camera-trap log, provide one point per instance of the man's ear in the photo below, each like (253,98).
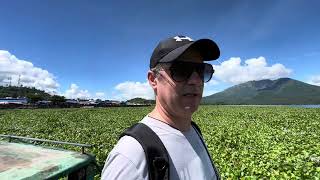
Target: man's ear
(152,80)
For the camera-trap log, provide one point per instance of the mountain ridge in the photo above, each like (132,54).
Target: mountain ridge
(279,91)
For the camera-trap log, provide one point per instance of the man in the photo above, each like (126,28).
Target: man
(177,75)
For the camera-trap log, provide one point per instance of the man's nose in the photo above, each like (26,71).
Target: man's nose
(195,79)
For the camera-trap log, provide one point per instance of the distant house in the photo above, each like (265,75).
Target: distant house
(84,103)
(88,103)
(43,104)
(72,103)
(114,103)
(10,102)
(107,103)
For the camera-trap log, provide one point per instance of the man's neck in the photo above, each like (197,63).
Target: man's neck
(182,123)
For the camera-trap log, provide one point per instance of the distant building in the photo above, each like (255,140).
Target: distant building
(9,102)
(72,103)
(43,104)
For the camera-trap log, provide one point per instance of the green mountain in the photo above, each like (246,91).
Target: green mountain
(141,101)
(280,91)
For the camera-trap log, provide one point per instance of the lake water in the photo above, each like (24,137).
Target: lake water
(306,106)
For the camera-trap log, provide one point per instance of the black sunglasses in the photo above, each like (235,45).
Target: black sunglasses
(181,71)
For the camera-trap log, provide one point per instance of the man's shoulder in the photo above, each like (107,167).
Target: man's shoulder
(125,161)
(130,148)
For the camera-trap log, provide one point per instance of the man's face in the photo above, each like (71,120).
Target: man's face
(180,98)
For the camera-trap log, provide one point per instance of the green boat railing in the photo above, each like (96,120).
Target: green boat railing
(10,137)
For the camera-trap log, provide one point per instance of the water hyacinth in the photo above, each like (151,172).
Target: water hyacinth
(245,142)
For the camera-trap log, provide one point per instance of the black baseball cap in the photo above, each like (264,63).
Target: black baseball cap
(171,48)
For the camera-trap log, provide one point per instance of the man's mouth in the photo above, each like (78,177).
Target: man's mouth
(190,95)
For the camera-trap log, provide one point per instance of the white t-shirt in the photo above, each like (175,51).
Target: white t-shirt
(189,159)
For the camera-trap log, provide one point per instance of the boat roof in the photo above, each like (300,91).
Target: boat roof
(20,160)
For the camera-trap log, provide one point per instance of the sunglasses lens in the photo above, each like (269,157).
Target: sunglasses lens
(181,71)
(207,72)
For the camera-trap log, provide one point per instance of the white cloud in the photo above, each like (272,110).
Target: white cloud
(315,80)
(232,71)
(128,90)
(100,94)
(74,92)
(14,71)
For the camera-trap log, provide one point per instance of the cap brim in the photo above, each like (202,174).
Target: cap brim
(208,49)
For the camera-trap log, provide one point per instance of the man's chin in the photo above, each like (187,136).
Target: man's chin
(190,108)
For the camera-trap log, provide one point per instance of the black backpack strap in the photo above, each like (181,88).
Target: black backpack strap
(196,127)
(156,154)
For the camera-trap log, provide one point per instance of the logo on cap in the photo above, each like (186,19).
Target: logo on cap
(180,38)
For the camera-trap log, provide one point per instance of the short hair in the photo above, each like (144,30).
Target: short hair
(159,67)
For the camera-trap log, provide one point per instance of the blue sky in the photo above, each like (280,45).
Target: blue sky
(101,49)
